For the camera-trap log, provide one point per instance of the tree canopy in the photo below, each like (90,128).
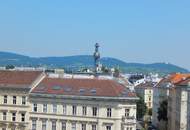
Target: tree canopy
(162,111)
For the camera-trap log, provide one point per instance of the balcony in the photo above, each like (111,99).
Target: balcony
(130,120)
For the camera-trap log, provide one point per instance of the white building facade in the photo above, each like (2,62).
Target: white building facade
(32,101)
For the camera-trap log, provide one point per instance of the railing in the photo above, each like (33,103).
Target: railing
(128,120)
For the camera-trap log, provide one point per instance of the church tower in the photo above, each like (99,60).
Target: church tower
(96,58)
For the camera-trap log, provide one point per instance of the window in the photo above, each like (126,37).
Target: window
(108,127)
(44,125)
(84,109)
(74,110)
(73,126)
(23,100)
(14,99)
(33,124)
(129,128)
(94,111)
(149,98)
(64,109)
(44,108)
(14,116)
(53,125)
(63,125)
(4,116)
(93,127)
(109,111)
(83,126)
(22,117)
(5,99)
(127,112)
(35,108)
(54,108)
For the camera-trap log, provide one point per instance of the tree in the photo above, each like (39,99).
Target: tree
(162,111)
(9,67)
(105,69)
(141,108)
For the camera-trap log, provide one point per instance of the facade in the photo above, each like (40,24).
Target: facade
(30,100)
(178,108)
(163,91)
(145,90)
(14,90)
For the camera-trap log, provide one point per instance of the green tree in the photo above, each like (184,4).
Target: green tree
(105,69)
(162,111)
(9,67)
(141,108)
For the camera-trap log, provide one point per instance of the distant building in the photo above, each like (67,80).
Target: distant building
(179,106)
(161,93)
(145,90)
(31,100)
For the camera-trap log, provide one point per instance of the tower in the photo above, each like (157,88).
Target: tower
(96,58)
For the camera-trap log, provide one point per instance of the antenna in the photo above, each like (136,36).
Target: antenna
(96,57)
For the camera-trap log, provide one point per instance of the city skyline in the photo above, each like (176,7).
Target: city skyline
(144,32)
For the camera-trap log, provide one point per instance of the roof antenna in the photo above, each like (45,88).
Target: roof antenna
(96,59)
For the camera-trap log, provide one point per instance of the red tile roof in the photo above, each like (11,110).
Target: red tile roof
(184,82)
(17,78)
(82,87)
(174,78)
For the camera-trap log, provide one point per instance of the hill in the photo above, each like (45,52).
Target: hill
(79,61)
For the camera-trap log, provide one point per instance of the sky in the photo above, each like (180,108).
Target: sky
(143,31)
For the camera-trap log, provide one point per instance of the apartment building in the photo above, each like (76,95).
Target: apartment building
(14,91)
(30,100)
(179,106)
(161,92)
(145,90)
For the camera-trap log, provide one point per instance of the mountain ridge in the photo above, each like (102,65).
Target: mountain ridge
(77,61)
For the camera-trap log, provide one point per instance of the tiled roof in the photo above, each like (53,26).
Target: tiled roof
(146,85)
(174,78)
(82,87)
(17,78)
(184,82)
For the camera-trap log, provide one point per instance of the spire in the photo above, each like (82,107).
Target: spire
(96,57)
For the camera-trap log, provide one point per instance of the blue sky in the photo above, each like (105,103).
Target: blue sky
(143,31)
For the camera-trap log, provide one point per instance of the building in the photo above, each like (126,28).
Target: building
(14,93)
(145,90)
(31,100)
(179,106)
(161,93)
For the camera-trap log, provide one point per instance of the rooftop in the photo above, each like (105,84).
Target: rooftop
(82,87)
(146,85)
(18,78)
(184,82)
(174,78)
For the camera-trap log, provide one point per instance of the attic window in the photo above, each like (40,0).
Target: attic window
(93,91)
(82,90)
(56,87)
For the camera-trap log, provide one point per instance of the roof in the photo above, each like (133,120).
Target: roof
(184,82)
(146,85)
(18,78)
(174,78)
(82,87)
